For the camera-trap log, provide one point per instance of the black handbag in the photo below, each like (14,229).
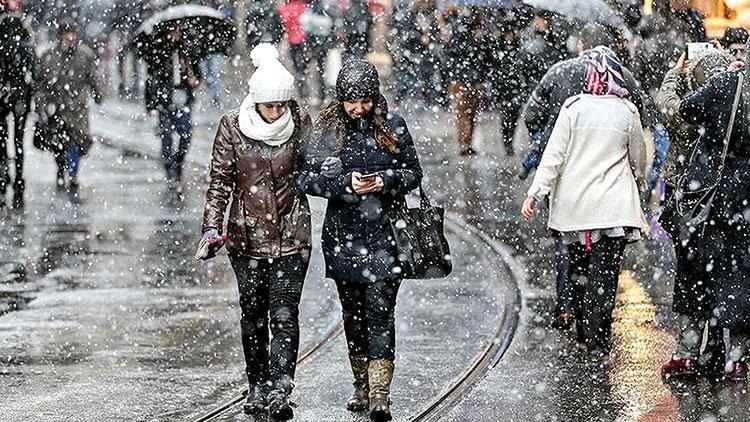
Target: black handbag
(694,205)
(47,135)
(423,250)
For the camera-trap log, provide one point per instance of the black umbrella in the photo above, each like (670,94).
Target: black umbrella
(204,31)
(582,10)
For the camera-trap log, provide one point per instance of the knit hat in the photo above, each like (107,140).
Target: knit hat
(357,79)
(708,63)
(271,81)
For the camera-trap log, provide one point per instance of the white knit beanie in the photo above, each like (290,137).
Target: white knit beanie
(271,81)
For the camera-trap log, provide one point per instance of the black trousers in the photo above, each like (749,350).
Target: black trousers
(270,292)
(369,322)
(593,275)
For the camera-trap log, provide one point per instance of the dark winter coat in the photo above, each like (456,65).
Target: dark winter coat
(562,81)
(263,24)
(162,91)
(18,64)
(538,52)
(510,86)
(270,215)
(469,56)
(69,79)
(726,241)
(357,237)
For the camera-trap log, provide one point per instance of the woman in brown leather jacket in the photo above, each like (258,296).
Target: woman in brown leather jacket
(257,155)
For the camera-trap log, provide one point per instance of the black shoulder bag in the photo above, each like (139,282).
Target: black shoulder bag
(422,247)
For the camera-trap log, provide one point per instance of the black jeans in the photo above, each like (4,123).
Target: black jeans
(593,275)
(369,323)
(270,289)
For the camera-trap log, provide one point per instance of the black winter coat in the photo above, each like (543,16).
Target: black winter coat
(726,241)
(162,91)
(358,243)
(562,81)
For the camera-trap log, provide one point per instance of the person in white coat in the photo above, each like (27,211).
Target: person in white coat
(593,171)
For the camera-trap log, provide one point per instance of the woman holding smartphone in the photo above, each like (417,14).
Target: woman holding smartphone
(364,161)
(257,156)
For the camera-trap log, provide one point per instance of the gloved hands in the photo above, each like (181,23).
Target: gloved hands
(210,243)
(331,167)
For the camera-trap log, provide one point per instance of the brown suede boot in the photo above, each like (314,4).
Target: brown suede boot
(380,372)
(359,400)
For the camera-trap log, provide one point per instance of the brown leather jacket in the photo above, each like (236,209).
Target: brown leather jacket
(269,215)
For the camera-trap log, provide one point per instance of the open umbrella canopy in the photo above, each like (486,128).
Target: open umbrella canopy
(204,31)
(582,10)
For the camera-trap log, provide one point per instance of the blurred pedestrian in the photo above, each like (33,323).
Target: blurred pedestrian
(263,23)
(470,52)
(364,162)
(510,85)
(69,79)
(542,44)
(18,71)
(172,78)
(291,12)
(212,66)
(735,41)
(357,22)
(257,156)
(317,23)
(415,46)
(692,299)
(721,233)
(592,169)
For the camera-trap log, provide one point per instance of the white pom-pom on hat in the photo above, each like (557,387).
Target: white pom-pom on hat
(271,81)
(263,52)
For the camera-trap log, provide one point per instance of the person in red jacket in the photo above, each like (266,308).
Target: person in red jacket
(291,12)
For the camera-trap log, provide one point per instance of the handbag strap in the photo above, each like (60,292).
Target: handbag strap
(732,117)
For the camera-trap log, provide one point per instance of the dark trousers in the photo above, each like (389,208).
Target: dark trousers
(299,59)
(593,275)
(270,292)
(369,322)
(174,120)
(18,118)
(565,290)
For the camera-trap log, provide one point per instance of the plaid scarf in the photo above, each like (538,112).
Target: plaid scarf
(604,73)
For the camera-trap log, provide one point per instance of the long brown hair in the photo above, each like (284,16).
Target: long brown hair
(333,120)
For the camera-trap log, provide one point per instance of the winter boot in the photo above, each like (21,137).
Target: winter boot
(256,400)
(279,404)
(359,400)
(380,375)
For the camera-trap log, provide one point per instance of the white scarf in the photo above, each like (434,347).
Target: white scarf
(254,127)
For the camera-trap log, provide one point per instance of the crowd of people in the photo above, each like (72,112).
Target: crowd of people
(586,113)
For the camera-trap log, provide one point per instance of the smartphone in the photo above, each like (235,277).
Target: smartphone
(692,49)
(368,177)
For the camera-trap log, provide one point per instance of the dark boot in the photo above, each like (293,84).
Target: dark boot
(380,375)
(256,401)
(359,400)
(279,404)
